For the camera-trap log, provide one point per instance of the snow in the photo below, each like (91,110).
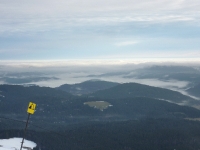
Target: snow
(15,144)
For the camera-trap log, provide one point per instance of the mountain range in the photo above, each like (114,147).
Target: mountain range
(160,72)
(120,102)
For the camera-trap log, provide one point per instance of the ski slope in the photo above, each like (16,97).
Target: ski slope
(15,144)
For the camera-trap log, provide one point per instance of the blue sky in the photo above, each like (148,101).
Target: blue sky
(100,29)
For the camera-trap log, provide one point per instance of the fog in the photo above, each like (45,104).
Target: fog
(56,73)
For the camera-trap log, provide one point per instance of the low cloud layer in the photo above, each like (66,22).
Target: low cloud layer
(56,73)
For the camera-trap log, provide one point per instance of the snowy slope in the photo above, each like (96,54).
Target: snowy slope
(15,144)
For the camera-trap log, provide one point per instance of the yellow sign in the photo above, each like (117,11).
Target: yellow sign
(31,108)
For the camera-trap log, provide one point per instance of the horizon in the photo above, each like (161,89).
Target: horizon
(93,62)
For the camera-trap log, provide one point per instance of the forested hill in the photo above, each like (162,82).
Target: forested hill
(148,134)
(15,98)
(128,90)
(17,91)
(58,106)
(86,87)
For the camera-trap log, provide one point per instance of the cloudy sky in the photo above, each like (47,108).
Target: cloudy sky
(99,29)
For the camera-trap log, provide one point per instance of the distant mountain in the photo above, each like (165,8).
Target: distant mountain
(25,80)
(129,90)
(172,69)
(164,72)
(86,87)
(181,73)
(195,90)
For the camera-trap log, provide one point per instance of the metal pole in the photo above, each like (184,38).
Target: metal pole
(25,130)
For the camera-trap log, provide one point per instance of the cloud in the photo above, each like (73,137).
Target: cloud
(195,53)
(51,7)
(65,28)
(126,43)
(46,15)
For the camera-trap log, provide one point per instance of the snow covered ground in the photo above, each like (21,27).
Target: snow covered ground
(15,144)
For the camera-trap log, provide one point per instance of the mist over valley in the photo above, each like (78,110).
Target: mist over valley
(102,102)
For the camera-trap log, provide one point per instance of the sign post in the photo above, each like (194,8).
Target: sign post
(30,110)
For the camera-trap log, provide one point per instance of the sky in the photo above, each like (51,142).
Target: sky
(99,30)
